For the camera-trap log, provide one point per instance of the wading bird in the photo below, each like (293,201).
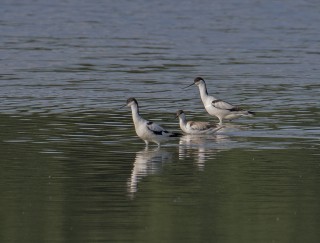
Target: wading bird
(148,131)
(216,107)
(195,127)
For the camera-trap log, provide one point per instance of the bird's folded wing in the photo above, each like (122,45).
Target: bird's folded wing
(199,125)
(220,104)
(155,128)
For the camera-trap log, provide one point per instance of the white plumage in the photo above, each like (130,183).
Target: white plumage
(195,127)
(216,107)
(148,131)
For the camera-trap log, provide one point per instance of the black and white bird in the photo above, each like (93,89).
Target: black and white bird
(216,107)
(195,127)
(148,131)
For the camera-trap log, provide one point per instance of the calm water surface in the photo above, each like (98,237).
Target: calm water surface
(72,168)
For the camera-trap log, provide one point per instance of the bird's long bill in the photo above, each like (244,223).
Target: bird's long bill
(189,86)
(122,106)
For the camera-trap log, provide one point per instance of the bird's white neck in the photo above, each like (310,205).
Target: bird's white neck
(203,91)
(182,120)
(135,114)
(206,99)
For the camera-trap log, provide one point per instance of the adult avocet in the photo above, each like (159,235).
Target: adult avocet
(216,107)
(195,127)
(148,131)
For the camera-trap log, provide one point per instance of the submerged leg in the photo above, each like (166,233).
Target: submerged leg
(147,143)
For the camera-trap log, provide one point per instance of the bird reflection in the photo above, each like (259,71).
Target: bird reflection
(202,146)
(146,162)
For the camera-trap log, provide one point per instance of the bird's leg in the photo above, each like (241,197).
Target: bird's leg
(147,143)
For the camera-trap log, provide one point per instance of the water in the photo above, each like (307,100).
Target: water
(72,168)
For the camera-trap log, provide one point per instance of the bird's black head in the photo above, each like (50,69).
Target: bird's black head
(131,101)
(198,79)
(178,113)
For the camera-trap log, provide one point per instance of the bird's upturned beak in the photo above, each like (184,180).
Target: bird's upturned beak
(189,86)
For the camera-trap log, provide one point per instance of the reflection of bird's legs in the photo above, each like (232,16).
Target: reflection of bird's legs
(201,158)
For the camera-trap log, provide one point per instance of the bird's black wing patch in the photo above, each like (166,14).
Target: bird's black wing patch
(222,105)
(215,101)
(158,132)
(235,109)
(155,128)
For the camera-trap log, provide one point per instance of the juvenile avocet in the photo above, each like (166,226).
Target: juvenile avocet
(148,131)
(195,127)
(217,107)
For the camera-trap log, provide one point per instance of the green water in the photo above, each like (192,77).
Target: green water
(71,166)
(66,178)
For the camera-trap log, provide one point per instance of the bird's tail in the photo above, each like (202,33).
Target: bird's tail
(246,113)
(176,134)
(251,113)
(211,130)
(240,112)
